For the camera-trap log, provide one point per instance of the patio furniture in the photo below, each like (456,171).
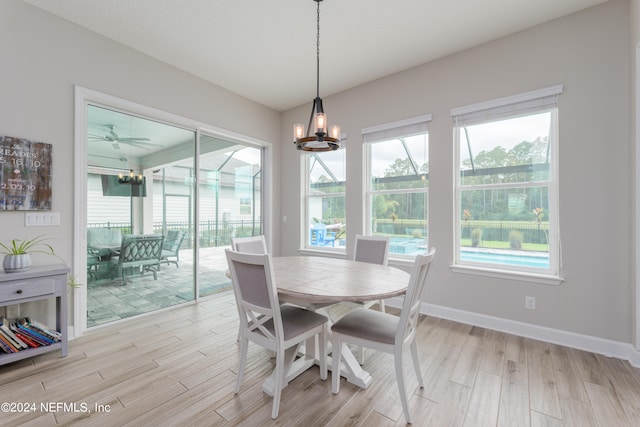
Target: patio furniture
(386,332)
(266,323)
(319,236)
(138,254)
(103,241)
(171,247)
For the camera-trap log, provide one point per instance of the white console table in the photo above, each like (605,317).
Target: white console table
(37,283)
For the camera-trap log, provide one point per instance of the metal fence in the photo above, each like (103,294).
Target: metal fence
(210,233)
(500,231)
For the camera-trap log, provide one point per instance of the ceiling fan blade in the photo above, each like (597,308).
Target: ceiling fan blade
(150,144)
(133,139)
(134,144)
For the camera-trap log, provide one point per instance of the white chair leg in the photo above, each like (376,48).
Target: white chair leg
(277,386)
(361,355)
(416,363)
(322,338)
(397,357)
(244,344)
(336,356)
(382,307)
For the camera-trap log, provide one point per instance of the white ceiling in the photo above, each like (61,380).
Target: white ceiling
(265,50)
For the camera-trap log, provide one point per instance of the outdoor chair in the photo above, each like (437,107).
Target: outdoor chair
(138,254)
(171,247)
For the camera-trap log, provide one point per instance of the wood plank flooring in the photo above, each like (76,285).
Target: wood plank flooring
(178,368)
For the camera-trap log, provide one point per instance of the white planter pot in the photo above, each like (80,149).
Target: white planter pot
(14,263)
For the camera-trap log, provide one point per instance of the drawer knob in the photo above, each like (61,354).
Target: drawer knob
(19,291)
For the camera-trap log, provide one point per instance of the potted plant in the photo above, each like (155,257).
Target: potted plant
(18,252)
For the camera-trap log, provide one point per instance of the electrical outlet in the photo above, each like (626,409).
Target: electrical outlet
(12,311)
(530,303)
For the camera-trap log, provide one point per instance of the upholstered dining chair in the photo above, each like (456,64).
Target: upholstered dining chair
(264,322)
(385,332)
(375,250)
(251,245)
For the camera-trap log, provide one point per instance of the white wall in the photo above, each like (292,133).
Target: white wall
(43,57)
(588,53)
(635,114)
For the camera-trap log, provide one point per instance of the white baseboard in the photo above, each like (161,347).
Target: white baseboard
(597,345)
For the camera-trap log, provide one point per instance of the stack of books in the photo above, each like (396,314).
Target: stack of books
(24,333)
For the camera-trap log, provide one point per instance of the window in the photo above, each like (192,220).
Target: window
(397,184)
(325,199)
(506,183)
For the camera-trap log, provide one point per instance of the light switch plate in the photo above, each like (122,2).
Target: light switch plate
(41,219)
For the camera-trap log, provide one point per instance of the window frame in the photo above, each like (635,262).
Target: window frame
(494,111)
(307,196)
(382,133)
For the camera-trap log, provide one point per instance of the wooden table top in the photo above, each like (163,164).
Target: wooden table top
(331,280)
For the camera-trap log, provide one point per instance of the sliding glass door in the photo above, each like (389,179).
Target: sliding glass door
(158,218)
(230,200)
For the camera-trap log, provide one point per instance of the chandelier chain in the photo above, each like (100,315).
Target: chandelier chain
(318,51)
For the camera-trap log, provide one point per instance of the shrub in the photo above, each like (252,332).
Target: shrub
(476,237)
(515,239)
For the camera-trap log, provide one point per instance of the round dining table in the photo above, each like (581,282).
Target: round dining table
(322,280)
(319,282)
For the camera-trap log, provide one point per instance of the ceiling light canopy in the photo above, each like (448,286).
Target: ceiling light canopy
(321,140)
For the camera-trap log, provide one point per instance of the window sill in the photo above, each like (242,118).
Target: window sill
(545,279)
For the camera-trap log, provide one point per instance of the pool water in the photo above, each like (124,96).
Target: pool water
(413,246)
(517,259)
(409,246)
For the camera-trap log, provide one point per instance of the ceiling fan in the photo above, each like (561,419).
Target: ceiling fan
(112,137)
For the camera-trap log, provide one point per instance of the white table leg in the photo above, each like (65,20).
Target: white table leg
(349,368)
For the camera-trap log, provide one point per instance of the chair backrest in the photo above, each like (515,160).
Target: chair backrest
(413,298)
(317,233)
(137,248)
(173,240)
(373,249)
(250,245)
(255,290)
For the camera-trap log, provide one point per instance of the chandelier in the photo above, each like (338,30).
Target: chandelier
(131,179)
(322,140)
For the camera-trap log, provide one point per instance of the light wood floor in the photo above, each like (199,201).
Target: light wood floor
(178,368)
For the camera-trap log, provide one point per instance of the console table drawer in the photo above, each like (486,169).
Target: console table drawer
(26,289)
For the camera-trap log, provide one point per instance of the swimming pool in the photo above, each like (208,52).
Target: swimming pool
(509,258)
(407,246)
(413,246)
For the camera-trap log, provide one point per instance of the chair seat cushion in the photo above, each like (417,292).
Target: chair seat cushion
(368,324)
(296,320)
